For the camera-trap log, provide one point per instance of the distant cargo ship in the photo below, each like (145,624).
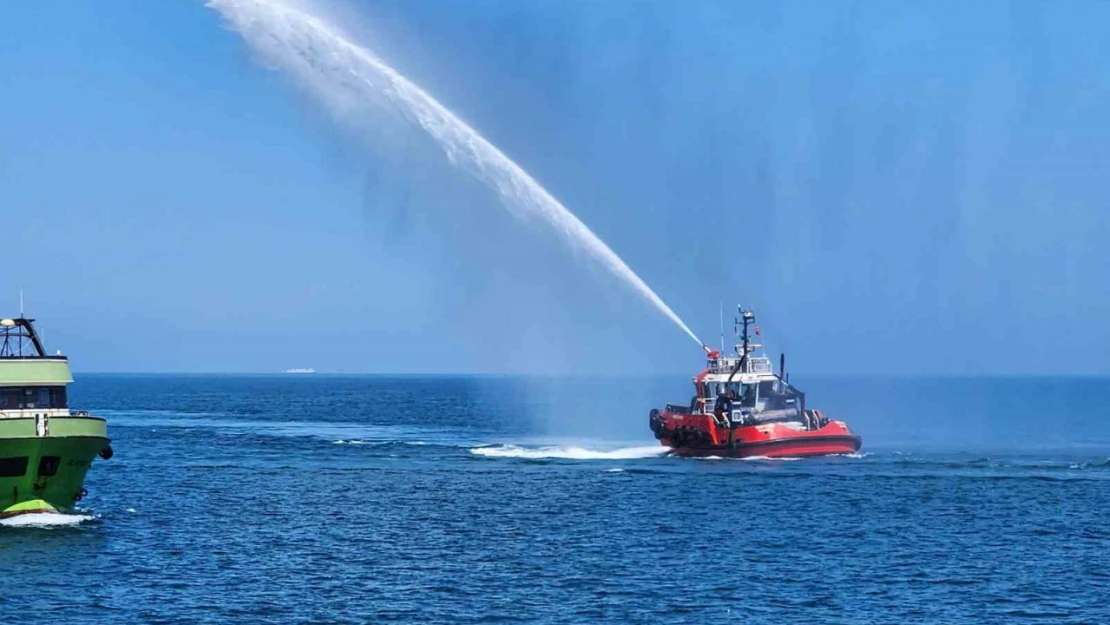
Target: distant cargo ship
(301,370)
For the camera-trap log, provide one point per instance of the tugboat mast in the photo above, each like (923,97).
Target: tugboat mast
(747,317)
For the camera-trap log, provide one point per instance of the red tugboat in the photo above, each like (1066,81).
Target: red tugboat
(742,408)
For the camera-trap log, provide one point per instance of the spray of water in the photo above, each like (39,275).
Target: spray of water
(344,74)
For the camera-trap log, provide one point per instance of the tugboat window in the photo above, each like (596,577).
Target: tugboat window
(13,467)
(48,465)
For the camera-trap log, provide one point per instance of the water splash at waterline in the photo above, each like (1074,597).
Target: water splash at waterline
(568,452)
(342,74)
(45,520)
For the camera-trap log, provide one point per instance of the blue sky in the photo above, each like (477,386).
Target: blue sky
(907,188)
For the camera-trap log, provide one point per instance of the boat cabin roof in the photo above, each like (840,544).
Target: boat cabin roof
(23,359)
(742,378)
(755,369)
(18,339)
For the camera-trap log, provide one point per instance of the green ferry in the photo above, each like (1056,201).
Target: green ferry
(45,448)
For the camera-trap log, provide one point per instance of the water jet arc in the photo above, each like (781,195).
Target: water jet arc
(339,71)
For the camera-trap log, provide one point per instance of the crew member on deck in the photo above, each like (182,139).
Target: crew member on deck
(723,407)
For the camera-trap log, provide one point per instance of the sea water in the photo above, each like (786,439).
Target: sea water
(319,499)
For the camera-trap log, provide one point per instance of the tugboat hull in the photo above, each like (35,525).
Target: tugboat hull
(699,435)
(815,443)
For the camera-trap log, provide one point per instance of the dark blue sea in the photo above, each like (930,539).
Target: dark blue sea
(319,499)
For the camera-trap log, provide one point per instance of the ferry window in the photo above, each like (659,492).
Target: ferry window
(13,467)
(30,398)
(9,398)
(58,397)
(37,397)
(48,465)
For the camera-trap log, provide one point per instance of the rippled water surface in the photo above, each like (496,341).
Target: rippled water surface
(314,499)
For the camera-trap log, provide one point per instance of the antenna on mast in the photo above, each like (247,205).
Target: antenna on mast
(21,303)
(722,310)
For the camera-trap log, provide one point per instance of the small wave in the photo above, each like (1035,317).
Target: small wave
(45,519)
(769,458)
(855,456)
(615,470)
(1090,465)
(568,453)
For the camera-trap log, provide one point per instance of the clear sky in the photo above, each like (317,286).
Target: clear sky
(906,188)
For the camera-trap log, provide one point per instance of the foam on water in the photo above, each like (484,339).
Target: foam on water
(568,452)
(45,519)
(345,76)
(338,432)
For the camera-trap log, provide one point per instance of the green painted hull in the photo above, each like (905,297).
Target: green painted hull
(74,440)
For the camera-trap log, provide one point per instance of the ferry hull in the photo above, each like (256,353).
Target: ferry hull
(52,477)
